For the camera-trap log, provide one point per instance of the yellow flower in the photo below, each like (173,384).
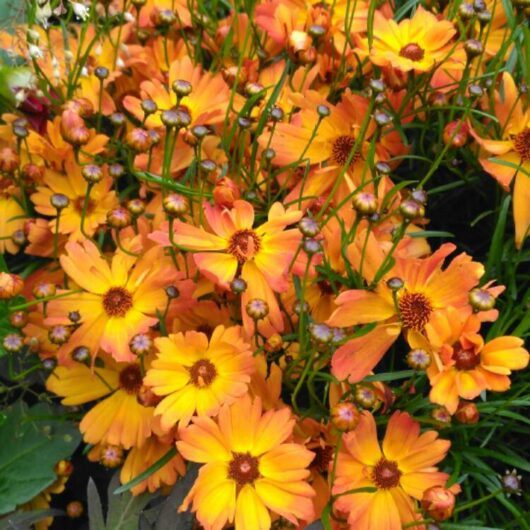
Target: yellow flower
(197,375)
(248,468)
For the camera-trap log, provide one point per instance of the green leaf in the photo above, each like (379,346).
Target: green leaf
(24,520)
(30,446)
(96,521)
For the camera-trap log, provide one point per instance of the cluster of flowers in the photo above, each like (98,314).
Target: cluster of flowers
(225,257)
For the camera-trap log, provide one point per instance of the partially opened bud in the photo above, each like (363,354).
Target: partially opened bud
(226,192)
(10,285)
(257,309)
(467,413)
(9,160)
(456,134)
(481,299)
(438,502)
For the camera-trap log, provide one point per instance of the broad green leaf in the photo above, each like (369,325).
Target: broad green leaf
(31,443)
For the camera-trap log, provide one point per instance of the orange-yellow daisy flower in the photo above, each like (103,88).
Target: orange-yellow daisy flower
(401,469)
(249,468)
(119,419)
(119,300)
(74,186)
(418,43)
(463,364)
(262,254)
(12,218)
(509,158)
(426,289)
(197,375)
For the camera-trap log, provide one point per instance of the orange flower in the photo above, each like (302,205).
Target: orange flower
(198,376)
(74,186)
(418,43)
(119,419)
(510,155)
(262,255)
(400,470)
(426,289)
(12,218)
(464,366)
(118,300)
(207,102)
(249,468)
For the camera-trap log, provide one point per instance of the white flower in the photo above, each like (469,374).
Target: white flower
(80,10)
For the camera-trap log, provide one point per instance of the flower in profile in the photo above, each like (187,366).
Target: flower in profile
(417,44)
(119,300)
(424,289)
(119,419)
(464,364)
(11,220)
(10,285)
(260,255)
(197,375)
(400,470)
(507,159)
(249,468)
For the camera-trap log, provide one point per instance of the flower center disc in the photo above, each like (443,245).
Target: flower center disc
(243,469)
(386,474)
(324,456)
(131,379)
(244,245)
(78,205)
(202,373)
(341,150)
(117,301)
(415,310)
(412,51)
(522,145)
(465,359)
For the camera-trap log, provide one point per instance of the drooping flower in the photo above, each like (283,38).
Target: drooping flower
(249,468)
(417,44)
(119,300)
(119,419)
(400,469)
(196,375)
(426,289)
(508,158)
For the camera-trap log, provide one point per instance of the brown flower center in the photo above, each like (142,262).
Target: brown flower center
(202,373)
(341,149)
(243,469)
(324,456)
(415,310)
(386,474)
(325,287)
(412,51)
(131,379)
(117,301)
(465,359)
(521,143)
(244,245)
(78,205)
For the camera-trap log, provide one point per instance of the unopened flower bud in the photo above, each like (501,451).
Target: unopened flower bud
(74,317)
(9,160)
(411,210)
(111,456)
(481,299)
(438,502)
(323,111)
(117,119)
(175,204)
(467,413)
(277,113)
(274,343)
(18,319)
(456,134)
(419,195)
(181,88)
(238,285)
(149,106)
(442,416)
(512,483)
(365,396)
(311,246)
(10,285)
(208,165)
(59,334)
(345,416)
(473,48)
(119,217)
(382,118)
(253,89)
(49,364)
(484,17)
(466,11)
(141,344)
(136,207)
(13,342)
(364,203)
(300,306)
(257,309)
(418,359)
(101,72)
(81,354)
(383,168)
(320,333)
(44,290)
(269,154)
(74,509)
(19,237)
(139,140)
(309,227)
(92,173)
(116,171)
